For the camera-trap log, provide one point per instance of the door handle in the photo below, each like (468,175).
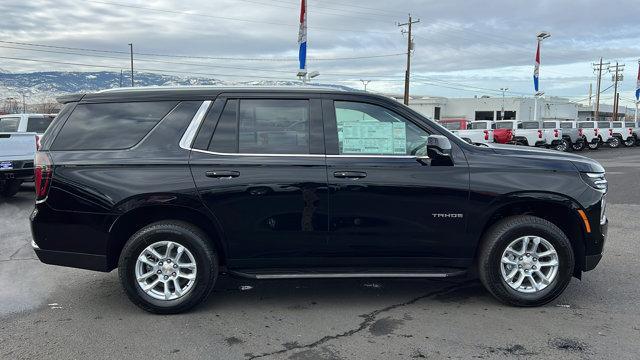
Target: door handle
(222,174)
(350,174)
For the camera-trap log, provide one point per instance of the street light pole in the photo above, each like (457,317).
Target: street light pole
(131,51)
(502,112)
(541,36)
(365,83)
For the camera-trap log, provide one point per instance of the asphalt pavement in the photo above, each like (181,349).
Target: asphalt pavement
(49,312)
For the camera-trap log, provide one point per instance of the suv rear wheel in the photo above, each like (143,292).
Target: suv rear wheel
(615,142)
(525,261)
(594,145)
(563,145)
(579,145)
(630,141)
(168,267)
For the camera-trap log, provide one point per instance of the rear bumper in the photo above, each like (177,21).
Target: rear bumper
(71,259)
(16,174)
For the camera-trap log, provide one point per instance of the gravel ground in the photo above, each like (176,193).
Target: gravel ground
(50,312)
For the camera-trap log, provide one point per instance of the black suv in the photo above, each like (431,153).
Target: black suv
(175,186)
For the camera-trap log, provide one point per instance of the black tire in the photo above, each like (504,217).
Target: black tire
(629,142)
(563,146)
(580,145)
(10,188)
(594,146)
(185,234)
(614,142)
(499,236)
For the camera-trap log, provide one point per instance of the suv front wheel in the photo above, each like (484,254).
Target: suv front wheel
(525,261)
(168,267)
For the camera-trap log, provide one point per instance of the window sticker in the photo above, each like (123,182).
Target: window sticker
(371,137)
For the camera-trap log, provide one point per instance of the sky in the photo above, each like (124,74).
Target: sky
(463,48)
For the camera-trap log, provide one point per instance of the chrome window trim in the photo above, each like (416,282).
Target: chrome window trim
(307,155)
(189,135)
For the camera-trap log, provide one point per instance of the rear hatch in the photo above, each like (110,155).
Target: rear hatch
(17,146)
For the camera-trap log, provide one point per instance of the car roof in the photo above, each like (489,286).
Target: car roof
(195,92)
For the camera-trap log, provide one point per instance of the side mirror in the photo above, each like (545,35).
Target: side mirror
(439,150)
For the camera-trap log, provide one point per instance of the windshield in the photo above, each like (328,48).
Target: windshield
(9,124)
(530,125)
(586,125)
(504,125)
(479,125)
(549,125)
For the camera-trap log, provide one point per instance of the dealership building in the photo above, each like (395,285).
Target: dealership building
(518,108)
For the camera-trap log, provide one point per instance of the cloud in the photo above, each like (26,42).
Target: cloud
(469,44)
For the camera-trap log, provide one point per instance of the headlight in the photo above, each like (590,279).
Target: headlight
(595,180)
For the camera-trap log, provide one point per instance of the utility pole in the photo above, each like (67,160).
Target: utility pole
(617,76)
(598,68)
(120,77)
(635,117)
(131,51)
(502,111)
(365,83)
(590,93)
(407,73)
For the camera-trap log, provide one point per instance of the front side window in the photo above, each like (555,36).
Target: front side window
(504,125)
(586,125)
(273,126)
(9,124)
(374,130)
(530,125)
(39,124)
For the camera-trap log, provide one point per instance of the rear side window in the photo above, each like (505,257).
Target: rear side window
(452,125)
(617,125)
(39,124)
(566,125)
(9,124)
(586,125)
(479,125)
(629,124)
(504,125)
(110,126)
(273,126)
(530,125)
(549,125)
(604,125)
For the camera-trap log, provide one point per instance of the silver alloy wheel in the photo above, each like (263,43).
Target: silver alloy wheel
(166,270)
(529,264)
(562,146)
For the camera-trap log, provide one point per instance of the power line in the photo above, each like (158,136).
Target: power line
(180,12)
(292,59)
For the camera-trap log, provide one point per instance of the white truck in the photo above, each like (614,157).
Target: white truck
(478,132)
(19,138)
(568,133)
(528,133)
(621,134)
(595,133)
(636,130)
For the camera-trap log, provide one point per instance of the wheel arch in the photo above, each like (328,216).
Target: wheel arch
(135,219)
(558,209)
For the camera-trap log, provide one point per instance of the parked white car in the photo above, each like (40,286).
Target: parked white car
(19,139)
(552,134)
(479,132)
(569,134)
(593,134)
(528,133)
(621,134)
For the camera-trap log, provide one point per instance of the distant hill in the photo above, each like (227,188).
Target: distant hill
(48,84)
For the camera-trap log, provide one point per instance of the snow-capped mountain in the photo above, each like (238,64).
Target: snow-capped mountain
(40,85)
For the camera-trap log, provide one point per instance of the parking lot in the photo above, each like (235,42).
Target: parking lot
(53,312)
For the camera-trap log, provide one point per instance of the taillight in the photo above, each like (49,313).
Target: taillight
(540,134)
(37,142)
(630,131)
(580,132)
(555,132)
(595,131)
(486,134)
(610,132)
(42,173)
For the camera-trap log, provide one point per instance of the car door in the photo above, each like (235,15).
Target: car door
(386,207)
(259,166)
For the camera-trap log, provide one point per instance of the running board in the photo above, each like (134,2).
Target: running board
(264,274)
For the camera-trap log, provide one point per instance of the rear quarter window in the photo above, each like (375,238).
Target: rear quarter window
(110,126)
